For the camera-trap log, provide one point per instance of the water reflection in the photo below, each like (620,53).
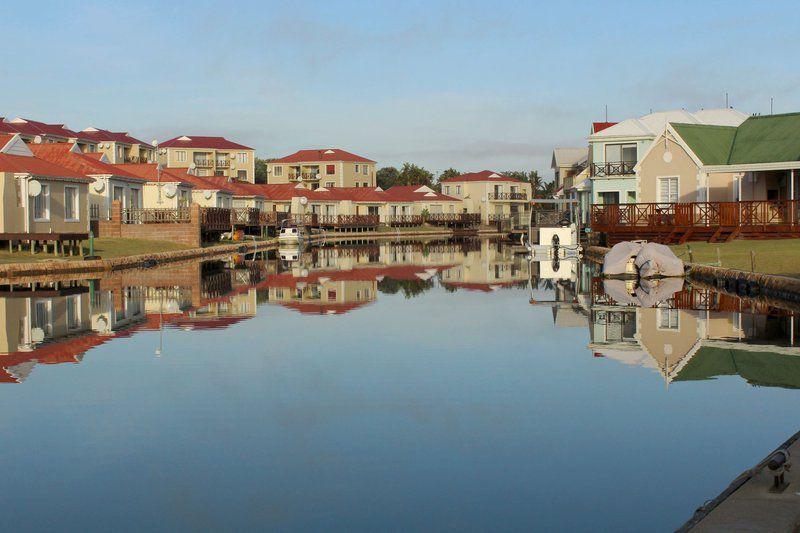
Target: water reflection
(683,332)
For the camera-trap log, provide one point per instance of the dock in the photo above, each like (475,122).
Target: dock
(751,503)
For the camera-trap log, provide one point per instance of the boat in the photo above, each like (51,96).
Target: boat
(553,230)
(290,234)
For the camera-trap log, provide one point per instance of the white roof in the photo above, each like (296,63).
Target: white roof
(569,157)
(653,124)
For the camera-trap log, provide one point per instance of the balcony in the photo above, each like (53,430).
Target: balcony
(613,168)
(137,159)
(204,163)
(508,196)
(305,176)
(223,163)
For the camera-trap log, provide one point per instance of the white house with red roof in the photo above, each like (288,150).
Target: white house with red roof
(492,194)
(209,156)
(326,167)
(120,147)
(41,200)
(176,188)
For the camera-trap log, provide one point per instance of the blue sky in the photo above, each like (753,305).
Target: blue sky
(472,85)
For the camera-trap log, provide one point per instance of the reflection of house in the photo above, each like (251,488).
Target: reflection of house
(489,193)
(326,168)
(492,267)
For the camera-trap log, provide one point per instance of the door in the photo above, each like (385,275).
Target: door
(119,195)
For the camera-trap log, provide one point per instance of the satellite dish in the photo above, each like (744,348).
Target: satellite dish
(233,167)
(192,166)
(303,200)
(170,190)
(99,185)
(159,167)
(34,188)
(667,157)
(207,194)
(37,139)
(233,156)
(37,334)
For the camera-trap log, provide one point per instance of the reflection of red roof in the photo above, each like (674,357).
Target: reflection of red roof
(38,167)
(481,287)
(61,154)
(600,126)
(323,308)
(196,141)
(287,191)
(61,351)
(325,154)
(484,175)
(399,272)
(99,135)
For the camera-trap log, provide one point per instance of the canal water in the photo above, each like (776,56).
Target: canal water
(439,386)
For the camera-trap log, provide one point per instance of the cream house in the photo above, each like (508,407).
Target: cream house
(119,147)
(493,195)
(209,156)
(41,200)
(164,188)
(325,168)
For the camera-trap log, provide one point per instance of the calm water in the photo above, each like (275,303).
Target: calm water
(382,387)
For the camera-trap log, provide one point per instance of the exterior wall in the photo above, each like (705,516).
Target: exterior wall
(668,347)
(16,314)
(229,169)
(691,188)
(150,195)
(103,199)
(217,199)
(624,185)
(13,216)
(344,176)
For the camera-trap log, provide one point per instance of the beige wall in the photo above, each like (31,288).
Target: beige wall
(14,215)
(17,318)
(344,175)
(170,159)
(473,194)
(150,195)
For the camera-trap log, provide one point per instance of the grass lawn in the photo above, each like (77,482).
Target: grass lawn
(106,248)
(781,256)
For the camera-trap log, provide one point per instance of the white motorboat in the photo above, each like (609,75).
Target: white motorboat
(290,234)
(553,230)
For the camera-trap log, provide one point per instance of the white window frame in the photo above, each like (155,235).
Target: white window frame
(364,169)
(45,196)
(458,190)
(661,200)
(356,168)
(241,157)
(77,299)
(180,156)
(76,208)
(672,325)
(277,171)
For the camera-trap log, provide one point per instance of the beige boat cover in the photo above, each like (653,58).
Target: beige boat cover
(615,263)
(657,260)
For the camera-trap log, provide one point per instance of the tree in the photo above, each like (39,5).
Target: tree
(387,177)
(261,170)
(449,173)
(532,177)
(412,174)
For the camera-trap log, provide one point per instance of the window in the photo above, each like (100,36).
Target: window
(242,175)
(668,190)
(219,172)
(616,153)
(118,195)
(364,169)
(668,319)
(372,210)
(73,312)
(366,184)
(241,157)
(180,156)
(43,317)
(41,204)
(458,189)
(136,196)
(357,184)
(71,208)
(609,197)
(331,296)
(183,199)
(329,184)
(330,169)
(447,189)
(277,171)
(120,153)
(356,168)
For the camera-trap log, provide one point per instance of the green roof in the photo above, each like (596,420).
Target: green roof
(768,369)
(762,139)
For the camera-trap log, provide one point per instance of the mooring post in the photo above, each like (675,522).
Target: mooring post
(752,260)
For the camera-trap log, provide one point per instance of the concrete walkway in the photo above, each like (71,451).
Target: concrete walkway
(751,506)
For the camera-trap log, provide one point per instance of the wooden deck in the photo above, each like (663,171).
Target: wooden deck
(697,221)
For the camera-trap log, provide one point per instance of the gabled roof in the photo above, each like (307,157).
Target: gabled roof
(416,193)
(69,156)
(324,154)
(100,135)
(483,175)
(38,167)
(33,127)
(651,125)
(569,157)
(197,141)
(761,139)
(149,171)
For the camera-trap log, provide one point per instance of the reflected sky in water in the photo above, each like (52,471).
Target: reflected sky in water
(381,387)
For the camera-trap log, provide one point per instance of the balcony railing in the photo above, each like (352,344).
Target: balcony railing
(204,163)
(613,168)
(245,216)
(508,196)
(147,215)
(134,159)
(304,175)
(352,221)
(215,218)
(404,220)
(455,219)
(223,163)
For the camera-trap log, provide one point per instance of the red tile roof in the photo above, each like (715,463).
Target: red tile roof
(406,193)
(325,154)
(99,135)
(34,127)
(195,141)
(85,164)
(600,126)
(484,175)
(38,167)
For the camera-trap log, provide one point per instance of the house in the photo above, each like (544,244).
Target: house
(615,150)
(110,182)
(567,163)
(493,195)
(119,147)
(41,200)
(187,187)
(327,168)
(33,131)
(209,156)
(758,160)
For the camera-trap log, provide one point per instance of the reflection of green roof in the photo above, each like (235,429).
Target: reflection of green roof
(767,369)
(768,139)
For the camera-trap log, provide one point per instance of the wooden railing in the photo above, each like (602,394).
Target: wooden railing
(461,219)
(147,215)
(215,219)
(508,196)
(204,163)
(304,175)
(613,168)
(404,220)
(223,163)
(752,213)
(353,221)
(245,216)
(137,159)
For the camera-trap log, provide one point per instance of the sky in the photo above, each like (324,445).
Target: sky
(470,85)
